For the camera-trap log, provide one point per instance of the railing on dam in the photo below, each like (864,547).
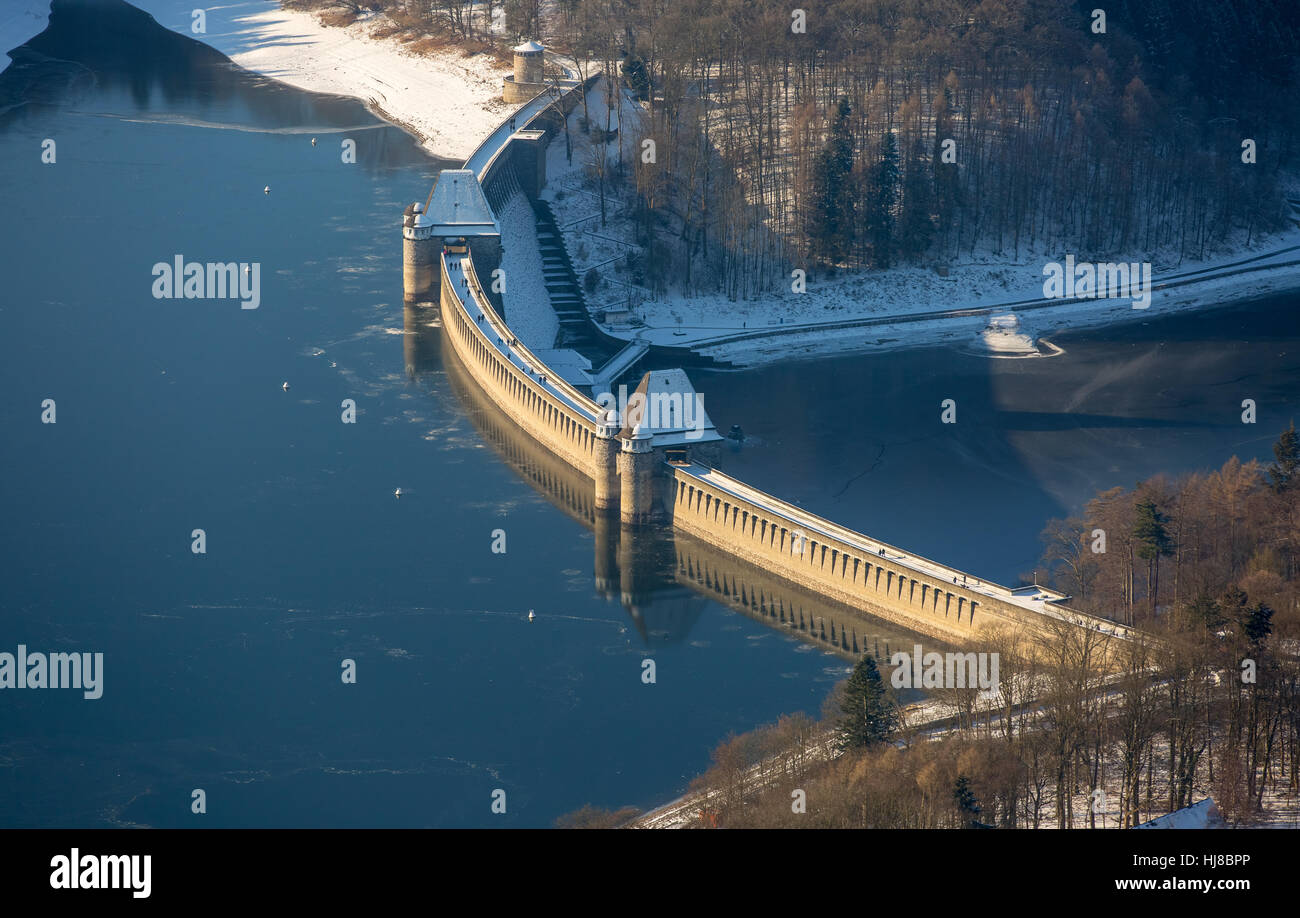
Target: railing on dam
(746,523)
(860,571)
(554,412)
(492,163)
(554,385)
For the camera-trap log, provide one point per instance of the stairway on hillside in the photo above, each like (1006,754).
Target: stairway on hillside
(576,328)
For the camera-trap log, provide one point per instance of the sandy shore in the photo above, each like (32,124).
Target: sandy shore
(451,102)
(21,21)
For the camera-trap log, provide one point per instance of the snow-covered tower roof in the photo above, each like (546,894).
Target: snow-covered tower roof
(458,207)
(528,62)
(670,411)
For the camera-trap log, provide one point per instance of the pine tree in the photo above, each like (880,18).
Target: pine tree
(1153,542)
(882,196)
(870,715)
(635,76)
(916,224)
(1205,611)
(1254,622)
(967,806)
(1285,473)
(1233,604)
(1258,623)
(832,229)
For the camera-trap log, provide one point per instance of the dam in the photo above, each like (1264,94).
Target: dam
(660,579)
(648,474)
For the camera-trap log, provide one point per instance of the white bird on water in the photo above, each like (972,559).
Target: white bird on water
(397,493)
(313,141)
(531,616)
(266,190)
(285,387)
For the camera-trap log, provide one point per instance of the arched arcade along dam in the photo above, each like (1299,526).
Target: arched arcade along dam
(453,241)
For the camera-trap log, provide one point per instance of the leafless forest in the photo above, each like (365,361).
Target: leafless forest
(872,132)
(1087,731)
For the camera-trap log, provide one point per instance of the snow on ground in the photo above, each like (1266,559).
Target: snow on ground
(566,363)
(907,291)
(525,285)
(735,331)
(452,102)
(570,189)
(20,22)
(902,292)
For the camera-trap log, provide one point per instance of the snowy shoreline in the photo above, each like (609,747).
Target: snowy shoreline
(908,306)
(452,102)
(970,335)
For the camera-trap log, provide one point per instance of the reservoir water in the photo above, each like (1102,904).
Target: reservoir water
(222,670)
(861,439)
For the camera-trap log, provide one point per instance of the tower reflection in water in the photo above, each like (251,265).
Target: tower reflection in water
(663,579)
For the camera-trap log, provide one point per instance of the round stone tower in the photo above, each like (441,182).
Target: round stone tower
(636,477)
(528,62)
(607,448)
(528,79)
(418,247)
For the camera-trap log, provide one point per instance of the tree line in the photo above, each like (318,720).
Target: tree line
(922,130)
(1180,545)
(1088,730)
(851,133)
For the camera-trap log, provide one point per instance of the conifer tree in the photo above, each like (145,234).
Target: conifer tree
(1153,542)
(882,196)
(870,714)
(967,806)
(832,231)
(916,227)
(1285,472)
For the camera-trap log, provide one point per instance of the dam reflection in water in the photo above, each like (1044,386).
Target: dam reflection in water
(663,579)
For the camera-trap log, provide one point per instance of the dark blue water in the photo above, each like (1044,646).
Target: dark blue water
(222,670)
(860,439)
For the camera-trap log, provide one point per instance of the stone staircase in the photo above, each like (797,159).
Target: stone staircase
(576,328)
